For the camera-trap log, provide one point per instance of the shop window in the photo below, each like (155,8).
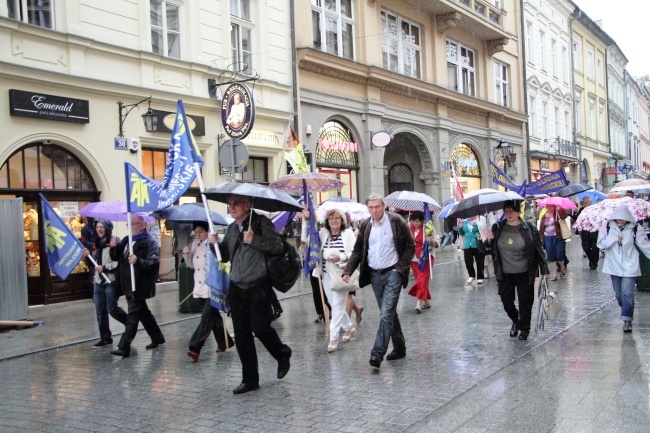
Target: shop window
(333,26)
(257,170)
(400,178)
(465,161)
(165,28)
(154,162)
(44,166)
(241,35)
(37,12)
(336,147)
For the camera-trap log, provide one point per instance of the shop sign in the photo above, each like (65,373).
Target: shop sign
(166,120)
(264,138)
(347,146)
(237,111)
(50,107)
(68,209)
(610,170)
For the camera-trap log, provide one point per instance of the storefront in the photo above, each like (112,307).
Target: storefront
(468,169)
(46,168)
(337,155)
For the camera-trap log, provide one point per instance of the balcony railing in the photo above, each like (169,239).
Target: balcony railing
(483,8)
(557,146)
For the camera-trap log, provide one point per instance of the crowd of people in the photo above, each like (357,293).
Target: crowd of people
(523,244)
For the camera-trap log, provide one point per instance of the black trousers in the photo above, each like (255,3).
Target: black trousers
(251,316)
(526,295)
(211,322)
(588,241)
(470,255)
(139,312)
(315,291)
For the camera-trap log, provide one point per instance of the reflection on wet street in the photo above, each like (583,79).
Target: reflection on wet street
(462,371)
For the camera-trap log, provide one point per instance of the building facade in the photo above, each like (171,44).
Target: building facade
(442,78)
(65,66)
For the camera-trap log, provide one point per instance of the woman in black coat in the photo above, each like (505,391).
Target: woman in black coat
(518,260)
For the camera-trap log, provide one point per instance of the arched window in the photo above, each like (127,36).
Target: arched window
(400,178)
(465,161)
(336,147)
(45,166)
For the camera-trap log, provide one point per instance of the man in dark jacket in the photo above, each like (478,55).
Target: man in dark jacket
(245,244)
(145,260)
(384,249)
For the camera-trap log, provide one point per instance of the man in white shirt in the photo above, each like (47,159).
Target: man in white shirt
(383,250)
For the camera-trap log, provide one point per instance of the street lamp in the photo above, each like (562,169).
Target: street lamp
(150,118)
(503,150)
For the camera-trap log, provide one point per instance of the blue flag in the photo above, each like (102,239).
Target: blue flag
(63,249)
(551,182)
(218,279)
(424,255)
(147,195)
(312,250)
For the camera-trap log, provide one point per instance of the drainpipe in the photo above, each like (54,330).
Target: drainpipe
(576,14)
(292,17)
(529,173)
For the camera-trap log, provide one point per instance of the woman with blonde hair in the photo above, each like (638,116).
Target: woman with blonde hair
(336,246)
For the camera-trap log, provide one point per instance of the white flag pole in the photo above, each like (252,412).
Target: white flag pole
(128,224)
(95,263)
(199,178)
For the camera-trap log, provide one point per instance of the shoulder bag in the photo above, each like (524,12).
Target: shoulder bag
(336,278)
(565,231)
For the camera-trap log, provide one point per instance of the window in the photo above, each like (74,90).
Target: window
(241,34)
(545,120)
(529,42)
(599,70)
(565,66)
(154,162)
(501,82)
(37,12)
(578,113)
(590,65)
(333,27)
(556,119)
(567,127)
(601,121)
(461,72)
(401,48)
(533,117)
(592,119)
(542,49)
(577,64)
(554,58)
(257,170)
(165,30)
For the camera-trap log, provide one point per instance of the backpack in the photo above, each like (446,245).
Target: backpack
(284,269)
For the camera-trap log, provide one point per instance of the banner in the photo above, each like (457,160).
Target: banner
(501,178)
(147,195)
(218,279)
(294,153)
(312,250)
(63,249)
(547,184)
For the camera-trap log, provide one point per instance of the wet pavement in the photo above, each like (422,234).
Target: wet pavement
(462,373)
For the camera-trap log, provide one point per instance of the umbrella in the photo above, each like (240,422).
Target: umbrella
(593,217)
(315,182)
(411,201)
(479,192)
(630,185)
(186,213)
(562,202)
(446,207)
(356,210)
(573,189)
(482,203)
(264,197)
(593,194)
(339,199)
(110,211)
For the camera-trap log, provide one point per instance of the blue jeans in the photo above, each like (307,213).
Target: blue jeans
(554,249)
(387,288)
(105,304)
(624,291)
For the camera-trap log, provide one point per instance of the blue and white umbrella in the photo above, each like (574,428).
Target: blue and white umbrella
(411,201)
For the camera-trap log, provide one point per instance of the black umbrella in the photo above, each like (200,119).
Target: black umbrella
(264,197)
(573,189)
(482,203)
(184,214)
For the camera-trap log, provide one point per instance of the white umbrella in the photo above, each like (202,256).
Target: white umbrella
(411,201)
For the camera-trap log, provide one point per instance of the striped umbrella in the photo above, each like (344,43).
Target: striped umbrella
(411,201)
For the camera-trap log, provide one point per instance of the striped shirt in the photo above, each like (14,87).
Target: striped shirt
(333,243)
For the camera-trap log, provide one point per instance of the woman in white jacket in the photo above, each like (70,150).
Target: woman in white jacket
(618,238)
(336,246)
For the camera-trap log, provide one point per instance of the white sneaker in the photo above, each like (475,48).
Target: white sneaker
(469,280)
(479,281)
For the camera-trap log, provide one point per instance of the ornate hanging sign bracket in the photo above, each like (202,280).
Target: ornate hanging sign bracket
(234,73)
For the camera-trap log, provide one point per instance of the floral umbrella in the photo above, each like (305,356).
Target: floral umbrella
(314,182)
(593,217)
(562,202)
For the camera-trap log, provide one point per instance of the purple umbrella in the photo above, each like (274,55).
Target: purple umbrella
(110,211)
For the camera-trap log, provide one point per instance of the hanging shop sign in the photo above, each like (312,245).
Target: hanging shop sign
(237,111)
(167,120)
(49,107)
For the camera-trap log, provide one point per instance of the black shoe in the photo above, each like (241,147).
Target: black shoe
(283,367)
(523,335)
(276,315)
(627,326)
(319,319)
(396,354)
(154,344)
(121,352)
(513,330)
(245,387)
(102,343)
(375,361)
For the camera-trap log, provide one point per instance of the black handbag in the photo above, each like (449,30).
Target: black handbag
(480,247)
(284,269)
